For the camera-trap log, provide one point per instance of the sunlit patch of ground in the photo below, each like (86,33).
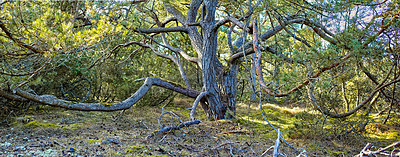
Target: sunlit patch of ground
(59,132)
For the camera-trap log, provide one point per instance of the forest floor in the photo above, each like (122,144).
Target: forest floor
(49,131)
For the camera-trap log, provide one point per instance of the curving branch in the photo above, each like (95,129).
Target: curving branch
(263,48)
(230,19)
(19,43)
(161,30)
(168,21)
(317,28)
(195,103)
(302,40)
(148,83)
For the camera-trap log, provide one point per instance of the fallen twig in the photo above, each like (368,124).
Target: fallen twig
(170,128)
(265,152)
(366,152)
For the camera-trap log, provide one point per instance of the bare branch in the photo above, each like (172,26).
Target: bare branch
(148,83)
(230,19)
(276,147)
(319,29)
(366,152)
(168,21)
(264,48)
(35,72)
(8,95)
(161,30)
(17,41)
(260,74)
(113,51)
(195,103)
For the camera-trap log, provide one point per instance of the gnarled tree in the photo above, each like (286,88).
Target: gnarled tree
(295,37)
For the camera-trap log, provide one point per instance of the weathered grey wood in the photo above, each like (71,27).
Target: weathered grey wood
(148,83)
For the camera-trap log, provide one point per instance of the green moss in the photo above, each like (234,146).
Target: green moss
(393,135)
(287,113)
(75,126)
(35,124)
(268,110)
(276,113)
(336,153)
(91,141)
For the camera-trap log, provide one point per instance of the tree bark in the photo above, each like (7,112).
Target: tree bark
(229,90)
(149,82)
(209,60)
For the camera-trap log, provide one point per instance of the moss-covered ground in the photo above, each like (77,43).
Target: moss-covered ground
(58,132)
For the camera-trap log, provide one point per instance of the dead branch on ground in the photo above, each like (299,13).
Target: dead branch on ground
(171,128)
(381,151)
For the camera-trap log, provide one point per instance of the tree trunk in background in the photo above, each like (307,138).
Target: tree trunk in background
(229,90)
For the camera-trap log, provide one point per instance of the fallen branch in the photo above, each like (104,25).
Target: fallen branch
(171,128)
(366,152)
(127,103)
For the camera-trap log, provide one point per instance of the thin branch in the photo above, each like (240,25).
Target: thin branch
(34,73)
(168,21)
(161,30)
(366,152)
(230,19)
(19,43)
(177,14)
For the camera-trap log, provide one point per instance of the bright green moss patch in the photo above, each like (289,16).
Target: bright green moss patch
(133,149)
(393,135)
(35,124)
